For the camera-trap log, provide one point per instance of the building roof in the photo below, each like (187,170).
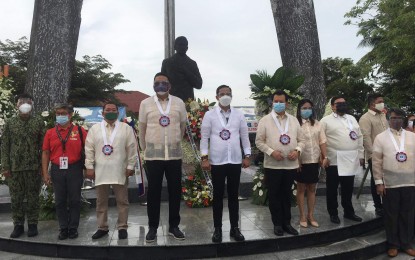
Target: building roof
(131,99)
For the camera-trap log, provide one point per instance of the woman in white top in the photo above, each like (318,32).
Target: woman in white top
(313,153)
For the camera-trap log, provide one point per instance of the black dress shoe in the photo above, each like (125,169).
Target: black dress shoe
(278,231)
(100,233)
(73,233)
(63,234)
(353,217)
(335,219)
(32,230)
(176,233)
(151,235)
(290,230)
(122,234)
(236,234)
(17,231)
(217,235)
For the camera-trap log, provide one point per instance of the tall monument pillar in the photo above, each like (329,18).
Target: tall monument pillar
(169,20)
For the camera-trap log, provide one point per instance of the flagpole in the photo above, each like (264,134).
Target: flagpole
(169,27)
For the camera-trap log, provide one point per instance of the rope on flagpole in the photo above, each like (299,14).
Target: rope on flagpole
(197,156)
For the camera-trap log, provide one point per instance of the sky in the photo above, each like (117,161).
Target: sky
(229,39)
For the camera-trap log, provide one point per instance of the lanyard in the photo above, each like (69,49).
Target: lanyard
(104,133)
(277,123)
(401,148)
(349,122)
(222,122)
(66,138)
(164,113)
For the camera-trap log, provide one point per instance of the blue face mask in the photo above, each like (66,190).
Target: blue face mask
(306,113)
(279,107)
(61,120)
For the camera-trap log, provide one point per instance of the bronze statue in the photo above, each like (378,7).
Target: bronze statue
(182,71)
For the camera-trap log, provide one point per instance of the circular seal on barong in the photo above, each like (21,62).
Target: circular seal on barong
(164,121)
(285,139)
(107,149)
(401,157)
(225,134)
(353,135)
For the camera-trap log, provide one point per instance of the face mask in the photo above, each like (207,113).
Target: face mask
(161,87)
(341,108)
(25,108)
(111,116)
(380,106)
(306,113)
(279,107)
(225,100)
(62,120)
(396,123)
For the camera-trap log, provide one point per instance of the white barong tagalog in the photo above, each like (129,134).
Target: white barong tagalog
(348,163)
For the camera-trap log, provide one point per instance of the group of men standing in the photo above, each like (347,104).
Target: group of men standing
(111,151)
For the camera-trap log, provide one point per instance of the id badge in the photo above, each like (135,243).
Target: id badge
(63,163)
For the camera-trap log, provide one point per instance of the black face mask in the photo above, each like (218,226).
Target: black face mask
(396,123)
(341,107)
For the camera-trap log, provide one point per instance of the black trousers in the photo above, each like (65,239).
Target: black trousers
(346,188)
(279,183)
(376,198)
(173,171)
(67,186)
(232,174)
(399,216)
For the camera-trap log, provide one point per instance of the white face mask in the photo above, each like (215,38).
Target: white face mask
(380,106)
(161,93)
(225,100)
(25,108)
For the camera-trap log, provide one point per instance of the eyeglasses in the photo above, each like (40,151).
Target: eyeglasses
(162,83)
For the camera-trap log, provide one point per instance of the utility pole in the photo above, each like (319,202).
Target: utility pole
(169,25)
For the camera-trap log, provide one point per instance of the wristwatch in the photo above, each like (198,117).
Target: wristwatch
(247,156)
(204,158)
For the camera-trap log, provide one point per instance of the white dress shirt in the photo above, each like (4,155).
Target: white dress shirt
(110,169)
(224,151)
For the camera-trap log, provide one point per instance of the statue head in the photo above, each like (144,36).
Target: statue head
(181,45)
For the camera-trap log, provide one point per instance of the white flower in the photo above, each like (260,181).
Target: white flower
(45,113)
(255,177)
(294,192)
(2,122)
(254,188)
(129,119)
(194,105)
(261,193)
(261,177)
(259,184)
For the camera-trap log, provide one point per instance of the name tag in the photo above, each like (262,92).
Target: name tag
(63,163)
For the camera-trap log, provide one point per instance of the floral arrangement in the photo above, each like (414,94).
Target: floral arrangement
(196,110)
(263,86)
(195,192)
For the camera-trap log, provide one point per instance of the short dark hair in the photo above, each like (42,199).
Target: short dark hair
(300,104)
(397,111)
(181,39)
(221,87)
(65,106)
(160,74)
(372,98)
(333,99)
(24,95)
(109,103)
(280,92)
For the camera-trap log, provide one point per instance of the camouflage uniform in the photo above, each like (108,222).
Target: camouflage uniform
(21,155)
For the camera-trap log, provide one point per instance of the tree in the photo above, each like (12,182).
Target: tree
(388,27)
(343,77)
(296,27)
(52,50)
(91,83)
(92,80)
